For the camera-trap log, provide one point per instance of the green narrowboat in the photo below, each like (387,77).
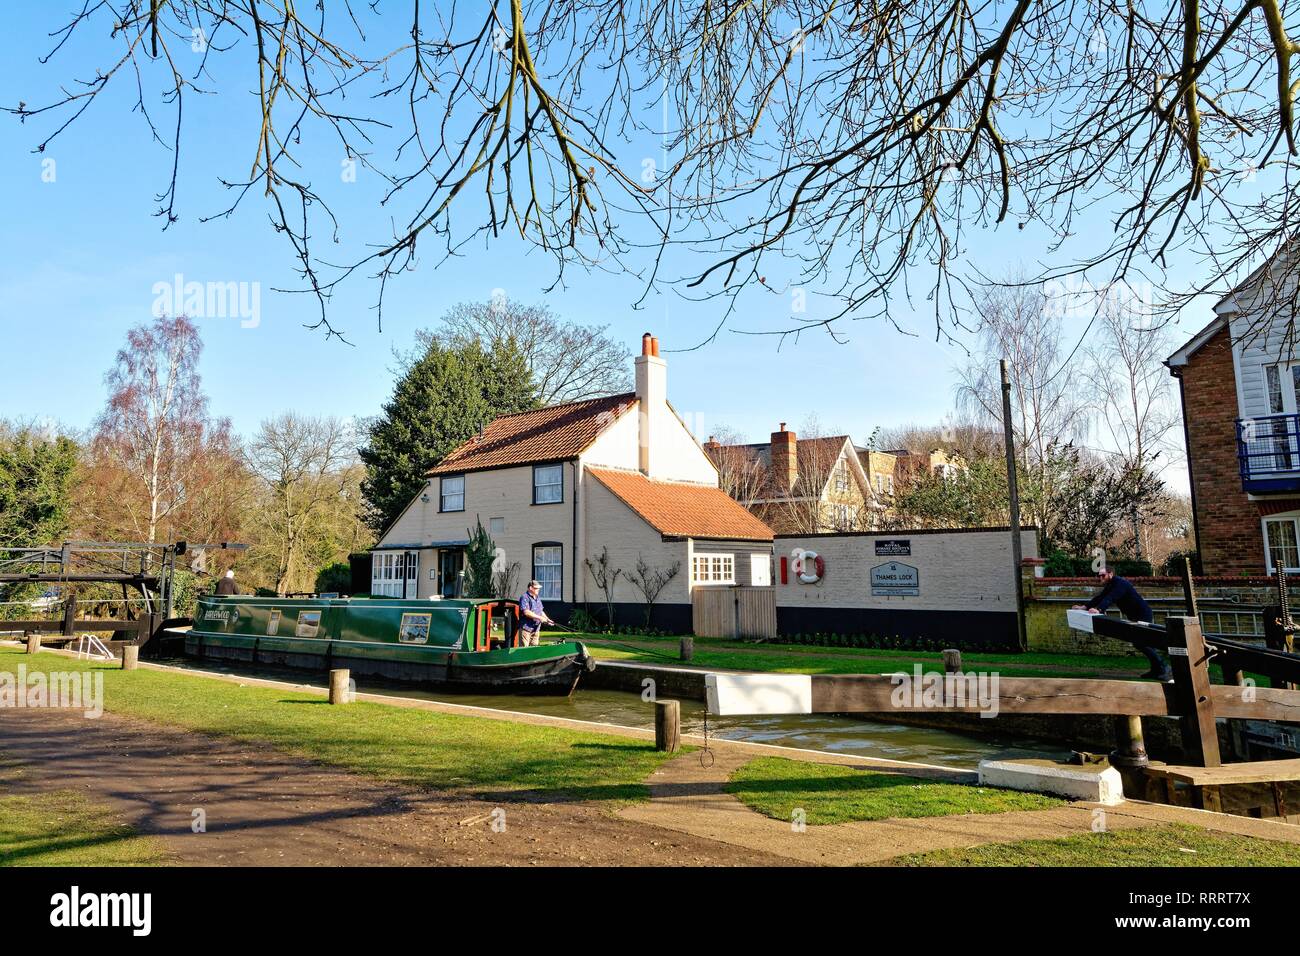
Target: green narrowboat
(466,645)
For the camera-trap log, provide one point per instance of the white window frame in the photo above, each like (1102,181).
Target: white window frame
(713,567)
(387,569)
(552,590)
(444,494)
(557,484)
(1294,519)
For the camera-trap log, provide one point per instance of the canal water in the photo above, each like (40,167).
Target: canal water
(824,732)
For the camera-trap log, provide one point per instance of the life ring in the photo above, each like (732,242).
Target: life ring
(808,565)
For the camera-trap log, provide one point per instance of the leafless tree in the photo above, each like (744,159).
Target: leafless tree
(1050,404)
(504,580)
(851,148)
(651,582)
(569,362)
(1047,403)
(311,485)
(1136,414)
(968,437)
(740,471)
(606,577)
(155,452)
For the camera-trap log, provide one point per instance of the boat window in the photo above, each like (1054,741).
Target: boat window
(453,494)
(414,629)
(308,624)
(273,624)
(548,570)
(548,484)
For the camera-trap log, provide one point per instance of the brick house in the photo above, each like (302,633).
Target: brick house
(556,486)
(1239,385)
(810,486)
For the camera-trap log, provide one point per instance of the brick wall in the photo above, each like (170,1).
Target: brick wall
(1228,522)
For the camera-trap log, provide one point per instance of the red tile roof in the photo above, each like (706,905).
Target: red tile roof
(682,510)
(547,434)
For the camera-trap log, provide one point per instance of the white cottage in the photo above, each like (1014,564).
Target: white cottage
(557,486)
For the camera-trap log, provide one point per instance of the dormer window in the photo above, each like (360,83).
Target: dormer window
(548,484)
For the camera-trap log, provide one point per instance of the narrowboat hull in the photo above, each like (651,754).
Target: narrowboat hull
(444,644)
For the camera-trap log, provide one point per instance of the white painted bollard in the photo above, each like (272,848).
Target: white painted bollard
(1094,783)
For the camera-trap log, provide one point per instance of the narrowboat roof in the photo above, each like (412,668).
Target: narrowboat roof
(359,599)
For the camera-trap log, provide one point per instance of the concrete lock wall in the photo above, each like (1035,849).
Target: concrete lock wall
(958,586)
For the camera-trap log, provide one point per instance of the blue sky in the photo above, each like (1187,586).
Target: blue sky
(79,258)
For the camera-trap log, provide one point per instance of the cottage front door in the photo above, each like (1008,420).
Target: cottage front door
(450,562)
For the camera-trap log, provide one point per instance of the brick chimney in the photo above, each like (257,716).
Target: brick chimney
(785,459)
(652,400)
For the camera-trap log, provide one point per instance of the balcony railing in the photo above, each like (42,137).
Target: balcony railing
(1268,453)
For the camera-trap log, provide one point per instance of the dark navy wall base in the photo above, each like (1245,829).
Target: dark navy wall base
(673,618)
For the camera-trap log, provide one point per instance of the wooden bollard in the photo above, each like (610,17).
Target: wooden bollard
(339,686)
(687,649)
(668,725)
(33,643)
(130,657)
(952,661)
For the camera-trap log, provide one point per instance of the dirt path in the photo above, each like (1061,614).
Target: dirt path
(689,797)
(263,807)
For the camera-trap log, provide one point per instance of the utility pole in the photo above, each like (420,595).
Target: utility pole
(1013,493)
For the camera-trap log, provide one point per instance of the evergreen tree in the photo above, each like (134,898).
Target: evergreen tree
(444,395)
(480,561)
(36,475)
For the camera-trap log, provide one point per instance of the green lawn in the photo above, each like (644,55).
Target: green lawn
(1173,844)
(829,793)
(443,751)
(62,828)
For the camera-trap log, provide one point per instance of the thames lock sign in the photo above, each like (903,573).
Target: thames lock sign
(895,580)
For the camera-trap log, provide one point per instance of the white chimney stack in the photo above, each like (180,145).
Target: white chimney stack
(652,401)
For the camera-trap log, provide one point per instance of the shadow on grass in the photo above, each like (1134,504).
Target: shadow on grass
(44,846)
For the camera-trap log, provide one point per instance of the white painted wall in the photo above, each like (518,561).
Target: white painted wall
(1256,344)
(613,524)
(679,456)
(965,570)
(616,447)
(501,493)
